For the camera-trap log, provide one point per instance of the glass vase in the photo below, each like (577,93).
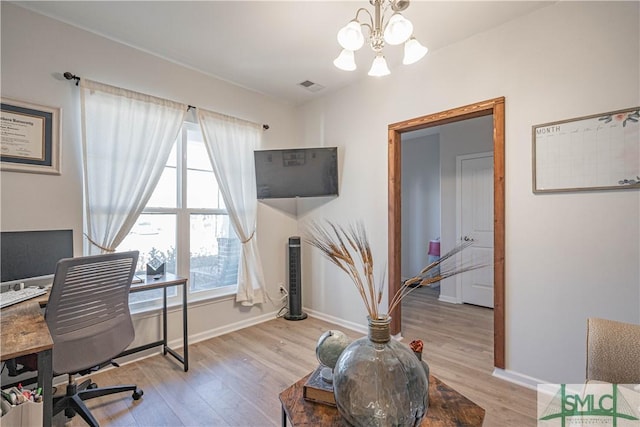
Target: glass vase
(380,382)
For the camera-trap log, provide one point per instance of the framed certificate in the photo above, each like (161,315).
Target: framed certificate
(29,137)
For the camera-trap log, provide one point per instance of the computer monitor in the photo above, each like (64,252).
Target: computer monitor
(31,256)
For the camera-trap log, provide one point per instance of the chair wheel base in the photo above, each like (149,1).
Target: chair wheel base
(137,394)
(69,412)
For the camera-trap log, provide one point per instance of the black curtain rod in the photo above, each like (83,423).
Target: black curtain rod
(69,76)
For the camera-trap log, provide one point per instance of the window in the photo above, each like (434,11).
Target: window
(186,225)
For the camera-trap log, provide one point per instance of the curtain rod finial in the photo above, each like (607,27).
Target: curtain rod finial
(67,75)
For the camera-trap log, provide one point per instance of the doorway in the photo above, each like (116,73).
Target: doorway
(494,107)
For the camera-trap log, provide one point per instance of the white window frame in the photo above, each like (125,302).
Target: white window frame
(182,238)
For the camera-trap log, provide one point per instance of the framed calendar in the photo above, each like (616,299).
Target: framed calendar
(597,152)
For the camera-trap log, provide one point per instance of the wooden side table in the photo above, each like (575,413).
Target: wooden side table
(447,407)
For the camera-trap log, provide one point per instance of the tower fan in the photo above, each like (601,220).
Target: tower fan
(295,284)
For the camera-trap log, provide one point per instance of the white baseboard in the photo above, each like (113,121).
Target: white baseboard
(535,384)
(504,374)
(340,322)
(177,343)
(212,333)
(448,299)
(518,378)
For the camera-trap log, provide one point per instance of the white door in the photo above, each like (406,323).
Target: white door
(475,222)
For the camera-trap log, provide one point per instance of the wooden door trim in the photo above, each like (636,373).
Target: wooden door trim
(493,107)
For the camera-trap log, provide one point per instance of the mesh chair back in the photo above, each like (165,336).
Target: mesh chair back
(88,310)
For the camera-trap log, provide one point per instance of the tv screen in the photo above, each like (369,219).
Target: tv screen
(303,172)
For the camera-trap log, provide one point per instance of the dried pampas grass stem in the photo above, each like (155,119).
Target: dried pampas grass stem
(349,249)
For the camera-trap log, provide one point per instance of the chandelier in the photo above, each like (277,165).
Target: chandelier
(393,30)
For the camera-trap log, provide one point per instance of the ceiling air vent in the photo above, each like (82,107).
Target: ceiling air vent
(311,86)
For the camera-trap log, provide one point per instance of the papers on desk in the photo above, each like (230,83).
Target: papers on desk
(137,279)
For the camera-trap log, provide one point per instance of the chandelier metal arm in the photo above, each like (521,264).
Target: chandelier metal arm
(376,24)
(368,26)
(377,40)
(362,9)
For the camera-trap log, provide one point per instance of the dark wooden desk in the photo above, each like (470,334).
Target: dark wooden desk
(23,331)
(447,407)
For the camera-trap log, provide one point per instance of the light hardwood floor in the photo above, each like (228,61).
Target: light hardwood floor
(235,379)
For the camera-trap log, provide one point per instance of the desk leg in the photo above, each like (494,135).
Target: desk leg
(164,321)
(185,330)
(164,341)
(284,417)
(45,380)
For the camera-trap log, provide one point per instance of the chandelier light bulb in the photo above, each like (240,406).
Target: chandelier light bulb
(413,51)
(399,5)
(345,61)
(350,36)
(398,29)
(379,67)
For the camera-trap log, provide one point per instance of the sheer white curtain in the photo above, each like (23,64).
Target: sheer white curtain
(230,143)
(127,138)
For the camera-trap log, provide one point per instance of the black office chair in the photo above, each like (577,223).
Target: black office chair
(90,323)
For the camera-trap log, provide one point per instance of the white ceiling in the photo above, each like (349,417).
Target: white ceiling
(271,46)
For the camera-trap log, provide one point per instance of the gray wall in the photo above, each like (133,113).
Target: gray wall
(568,256)
(420,200)
(35,51)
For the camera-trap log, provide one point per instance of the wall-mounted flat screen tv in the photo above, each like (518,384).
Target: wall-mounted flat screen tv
(299,172)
